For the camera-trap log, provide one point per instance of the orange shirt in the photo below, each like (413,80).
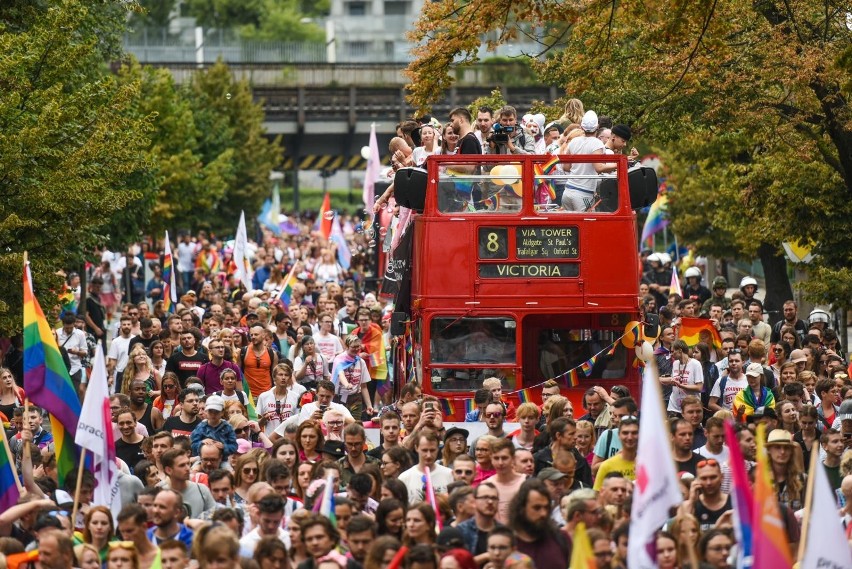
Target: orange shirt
(258,372)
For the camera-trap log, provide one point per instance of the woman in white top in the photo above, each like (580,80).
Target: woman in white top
(328,269)
(310,365)
(430,146)
(281,402)
(580,192)
(687,376)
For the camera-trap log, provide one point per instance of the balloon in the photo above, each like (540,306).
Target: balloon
(329,215)
(632,334)
(365,152)
(511,174)
(645,351)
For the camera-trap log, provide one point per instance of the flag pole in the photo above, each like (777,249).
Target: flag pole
(11,458)
(27,453)
(77,488)
(809,498)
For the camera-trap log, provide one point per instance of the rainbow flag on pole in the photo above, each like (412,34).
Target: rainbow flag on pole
(690,331)
(657,219)
(742,499)
(770,546)
(169,288)
(287,290)
(9,493)
(47,380)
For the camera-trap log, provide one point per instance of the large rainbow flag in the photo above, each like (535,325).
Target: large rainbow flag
(47,381)
(691,330)
(286,293)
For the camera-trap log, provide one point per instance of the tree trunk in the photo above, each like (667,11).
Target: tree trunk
(778,287)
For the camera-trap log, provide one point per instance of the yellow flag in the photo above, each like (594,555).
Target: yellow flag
(582,556)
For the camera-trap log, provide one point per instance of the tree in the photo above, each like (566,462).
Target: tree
(284,21)
(153,13)
(70,155)
(232,121)
(768,76)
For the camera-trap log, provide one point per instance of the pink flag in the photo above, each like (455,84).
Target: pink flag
(374,166)
(430,499)
(675,286)
(742,499)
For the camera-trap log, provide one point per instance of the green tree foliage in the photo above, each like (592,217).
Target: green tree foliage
(750,96)
(233,122)
(71,156)
(153,13)
(272,20)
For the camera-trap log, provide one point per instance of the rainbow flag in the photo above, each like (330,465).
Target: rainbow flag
(741,497)
(469,406)
(250,408)
(582,554)
(429,497)
(323,224)
(691,328)
(770,547)
(47,380)
(657,219)
(524,396)
(572,377)
(612,348)
(674,285)
(287,291)
(447,407)
(587,366)
(169,288)
(326,505)
(9,493)
(543,170)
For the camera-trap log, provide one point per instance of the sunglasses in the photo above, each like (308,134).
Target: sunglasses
(708,462)
(493,415)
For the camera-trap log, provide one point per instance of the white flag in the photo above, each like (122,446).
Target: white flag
(825,544)
(656,488)
(240,258)
(94,433)
(674,287)
(170,267)
(374,166)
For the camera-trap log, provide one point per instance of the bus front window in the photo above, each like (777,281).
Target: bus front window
(489,189)
(561,350)
(465,351)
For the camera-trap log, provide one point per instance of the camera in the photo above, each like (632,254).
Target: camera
(500,134)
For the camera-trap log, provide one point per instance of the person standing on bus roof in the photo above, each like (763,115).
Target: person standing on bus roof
(468,143)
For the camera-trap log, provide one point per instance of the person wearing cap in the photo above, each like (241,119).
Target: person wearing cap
(800,358)
(214,429)
(787,475)
(333,450)
(620,135)
(555,481)
(755,395)
(843,421)
(579,194)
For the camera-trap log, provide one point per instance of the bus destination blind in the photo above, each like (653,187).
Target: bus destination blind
(547,242)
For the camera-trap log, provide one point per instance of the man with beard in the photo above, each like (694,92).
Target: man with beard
(184,423)
(168,511)
(129,447)
(537,535)
(141,409)
(476,529)
(320,538)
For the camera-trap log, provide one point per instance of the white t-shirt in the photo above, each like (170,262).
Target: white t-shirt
(690,374)
(356,375)
(732,387)
(118,351)
(584,145)
(267,403)
(248,542)
(186,255)
(320,370)
(308,409)
(413,480)
(328,345)
(707,453)
(75,341)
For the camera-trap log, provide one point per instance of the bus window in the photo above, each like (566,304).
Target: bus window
(574,188)
(484,340)
(486,189)
(563,349)
(470,379)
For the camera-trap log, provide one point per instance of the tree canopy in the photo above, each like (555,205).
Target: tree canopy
(747,100)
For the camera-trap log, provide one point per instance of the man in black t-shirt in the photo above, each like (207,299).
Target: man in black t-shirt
(186,421)
(188,361)
(685,459)
(711,503)
(450,196)
(129,447)
(468,143)
(146,336)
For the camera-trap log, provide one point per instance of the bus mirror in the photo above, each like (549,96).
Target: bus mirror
(643,187)
(410,188)
(398,320)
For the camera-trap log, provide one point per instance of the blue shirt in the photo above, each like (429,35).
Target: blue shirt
(184,535)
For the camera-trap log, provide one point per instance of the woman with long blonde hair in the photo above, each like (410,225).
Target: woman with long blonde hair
(11,395)
(140,366)
(573,112)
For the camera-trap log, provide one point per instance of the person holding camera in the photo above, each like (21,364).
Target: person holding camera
(507,137)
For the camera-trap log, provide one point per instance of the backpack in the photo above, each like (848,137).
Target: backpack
(269,351)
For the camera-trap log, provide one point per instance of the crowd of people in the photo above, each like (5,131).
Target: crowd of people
(241,420)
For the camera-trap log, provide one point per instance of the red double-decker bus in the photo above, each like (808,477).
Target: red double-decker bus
(507,282)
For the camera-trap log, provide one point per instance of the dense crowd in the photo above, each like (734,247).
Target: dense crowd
(241,419)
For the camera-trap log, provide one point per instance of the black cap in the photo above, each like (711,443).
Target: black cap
(622,131)
(456,431)
(450,538)
(334,448)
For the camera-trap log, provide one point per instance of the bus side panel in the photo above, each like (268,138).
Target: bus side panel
(447,246)
(604,250)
